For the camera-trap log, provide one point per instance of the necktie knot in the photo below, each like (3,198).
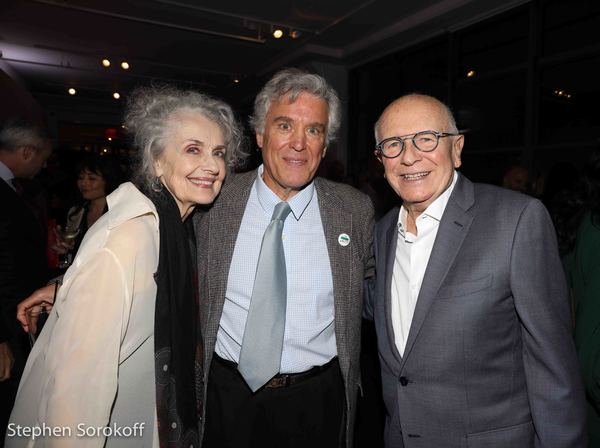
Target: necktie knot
(281,211)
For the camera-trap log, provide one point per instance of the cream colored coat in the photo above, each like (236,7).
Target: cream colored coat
(93,364)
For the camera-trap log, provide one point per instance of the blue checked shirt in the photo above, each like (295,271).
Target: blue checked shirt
(309,338)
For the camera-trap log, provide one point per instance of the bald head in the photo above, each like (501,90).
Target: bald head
(427,107)
(419,177)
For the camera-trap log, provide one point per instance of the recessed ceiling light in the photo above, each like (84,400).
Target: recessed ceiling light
(116,95)
(72,91)
(125,65)
(277,33)
(105,62)
(236,80)
(294,34)
(470,73)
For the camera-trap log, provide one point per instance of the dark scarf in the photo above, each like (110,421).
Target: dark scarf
(177,347)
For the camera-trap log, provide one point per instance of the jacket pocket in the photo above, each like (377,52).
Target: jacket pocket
(465,288)
(520,435)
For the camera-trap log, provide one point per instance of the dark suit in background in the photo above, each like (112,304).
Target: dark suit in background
(23,269)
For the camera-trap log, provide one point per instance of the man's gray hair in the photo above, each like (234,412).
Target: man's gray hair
(292,82)
(148,120)
(452,128)
(18,134)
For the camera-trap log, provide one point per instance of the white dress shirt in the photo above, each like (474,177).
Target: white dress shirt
(6,175)
(412,256)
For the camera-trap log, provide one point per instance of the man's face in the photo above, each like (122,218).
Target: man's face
(293,143)
(34,159)
(419,177)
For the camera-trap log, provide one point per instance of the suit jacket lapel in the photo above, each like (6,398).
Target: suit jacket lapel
(336,220)
(454,226)
(390,243)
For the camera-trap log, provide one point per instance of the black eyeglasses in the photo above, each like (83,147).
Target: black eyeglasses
(425,141)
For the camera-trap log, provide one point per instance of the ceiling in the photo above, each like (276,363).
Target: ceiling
(223,46)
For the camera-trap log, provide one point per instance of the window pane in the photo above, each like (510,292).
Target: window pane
(494,44)
(570,25)
(493,110)
(569,102)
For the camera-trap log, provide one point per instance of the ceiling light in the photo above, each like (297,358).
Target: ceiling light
(277,33)
(125,65)
(294,34)
(470,73)
(116,95)
(105,62)
(110,139)
(72,91)
(236,80)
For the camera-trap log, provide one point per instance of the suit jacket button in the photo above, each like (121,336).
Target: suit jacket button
(403,380)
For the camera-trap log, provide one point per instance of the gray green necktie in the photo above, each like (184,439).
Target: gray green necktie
(260,355)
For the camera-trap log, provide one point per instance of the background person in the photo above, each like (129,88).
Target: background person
(97,177)
(577,221)
(24,149)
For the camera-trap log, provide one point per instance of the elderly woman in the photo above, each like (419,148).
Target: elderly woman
(117,361)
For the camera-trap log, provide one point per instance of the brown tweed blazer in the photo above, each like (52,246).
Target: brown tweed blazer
(343,210)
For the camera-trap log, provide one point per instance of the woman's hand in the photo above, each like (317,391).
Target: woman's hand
(29,309)
(6,361)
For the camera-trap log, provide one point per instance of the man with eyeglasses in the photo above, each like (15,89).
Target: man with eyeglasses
(470,303)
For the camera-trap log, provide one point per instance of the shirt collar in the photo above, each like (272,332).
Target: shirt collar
(268,199)
(435,209)
(7,175)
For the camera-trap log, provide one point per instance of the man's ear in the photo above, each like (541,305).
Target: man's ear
(324,152)
(26,153)
(259,139)
(378,156)
(457,146)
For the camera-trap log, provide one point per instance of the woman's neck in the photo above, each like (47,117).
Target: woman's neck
(95,210)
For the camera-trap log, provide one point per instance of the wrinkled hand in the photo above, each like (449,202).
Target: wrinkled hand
(6,361)
(62,246)
(29,309)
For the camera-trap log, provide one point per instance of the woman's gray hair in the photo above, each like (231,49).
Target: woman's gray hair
(293,82)
(147,120)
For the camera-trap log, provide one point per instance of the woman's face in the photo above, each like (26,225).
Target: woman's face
(192,165)
(91,185)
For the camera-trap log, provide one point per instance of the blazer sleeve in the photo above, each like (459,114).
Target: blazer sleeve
(83,356)
(541,300)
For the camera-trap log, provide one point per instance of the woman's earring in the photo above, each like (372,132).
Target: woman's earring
(156,185)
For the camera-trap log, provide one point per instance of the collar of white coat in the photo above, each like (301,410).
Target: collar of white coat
(127,202)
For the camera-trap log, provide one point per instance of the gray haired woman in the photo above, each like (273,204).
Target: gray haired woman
(117,361)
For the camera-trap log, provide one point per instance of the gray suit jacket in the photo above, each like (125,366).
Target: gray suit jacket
(343,210)
(489,361)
